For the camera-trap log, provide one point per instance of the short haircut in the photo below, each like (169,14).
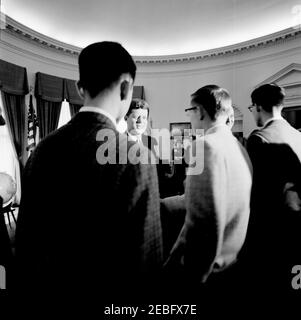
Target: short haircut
(101,64)
(213,99)
(267,96)
(138,104)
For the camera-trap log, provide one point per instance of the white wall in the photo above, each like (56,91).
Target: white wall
(168,92)
(168,85)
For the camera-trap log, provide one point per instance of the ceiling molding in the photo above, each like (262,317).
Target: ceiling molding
(21,31)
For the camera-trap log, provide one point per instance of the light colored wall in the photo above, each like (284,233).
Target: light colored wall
(168,91)
(168,85)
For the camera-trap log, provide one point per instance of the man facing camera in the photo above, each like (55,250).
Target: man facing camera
(218,198)
(137,122)
(85,223)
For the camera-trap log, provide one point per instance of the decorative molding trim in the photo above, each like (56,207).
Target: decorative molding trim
(21,31)
(281,73)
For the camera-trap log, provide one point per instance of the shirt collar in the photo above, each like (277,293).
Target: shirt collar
(134,138)
(213,128)
(100,111)
(272,119)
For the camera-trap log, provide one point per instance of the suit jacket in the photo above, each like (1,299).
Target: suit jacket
(275,152)
(218,205)
(86,224)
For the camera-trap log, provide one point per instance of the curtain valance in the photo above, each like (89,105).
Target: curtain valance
(13,79)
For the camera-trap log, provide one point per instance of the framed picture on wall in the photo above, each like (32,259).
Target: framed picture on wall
(178,132)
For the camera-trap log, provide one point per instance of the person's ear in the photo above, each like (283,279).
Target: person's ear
(202,113)
(80,89)
(124,89)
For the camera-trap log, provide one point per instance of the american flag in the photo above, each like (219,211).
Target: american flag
(32,127)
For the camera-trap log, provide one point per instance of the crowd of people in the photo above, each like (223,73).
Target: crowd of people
(87,223)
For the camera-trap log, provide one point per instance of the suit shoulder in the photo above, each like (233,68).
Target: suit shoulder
(255,138)
(213,149)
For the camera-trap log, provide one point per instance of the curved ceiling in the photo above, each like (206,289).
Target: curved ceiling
(155,27)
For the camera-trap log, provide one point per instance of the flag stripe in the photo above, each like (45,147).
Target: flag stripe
(32,124)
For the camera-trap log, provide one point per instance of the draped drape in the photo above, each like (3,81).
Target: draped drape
(16,116)
(14,87)
(74,108)
(48,113)
(72,96)
(49,92)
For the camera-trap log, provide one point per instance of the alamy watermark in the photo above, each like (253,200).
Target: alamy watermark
(115,149)
(2,277)
(296,280)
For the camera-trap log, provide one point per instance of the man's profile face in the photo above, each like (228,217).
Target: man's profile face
(194,116)
(257,116)
(137,121)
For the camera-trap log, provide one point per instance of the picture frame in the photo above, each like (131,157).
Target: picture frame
(179,131)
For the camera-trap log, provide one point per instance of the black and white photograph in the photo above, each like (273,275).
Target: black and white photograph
(150,156)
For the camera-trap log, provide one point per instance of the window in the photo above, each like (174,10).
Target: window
(65,115)
(293,116)
(8,160)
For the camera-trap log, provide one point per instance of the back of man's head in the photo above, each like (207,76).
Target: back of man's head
(268,96)
(214,99)
(101,64)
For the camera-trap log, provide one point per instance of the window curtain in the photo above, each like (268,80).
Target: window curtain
(49,92)
(74,108)
(16,117)
(48,113)
(72,96)
(14,87)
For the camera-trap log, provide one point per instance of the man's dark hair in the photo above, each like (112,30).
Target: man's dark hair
(267,96)
(138,104)
(212,98)
(101,64)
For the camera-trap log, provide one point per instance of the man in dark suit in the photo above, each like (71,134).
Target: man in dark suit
(137,121)
(272,245)
(89,217)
